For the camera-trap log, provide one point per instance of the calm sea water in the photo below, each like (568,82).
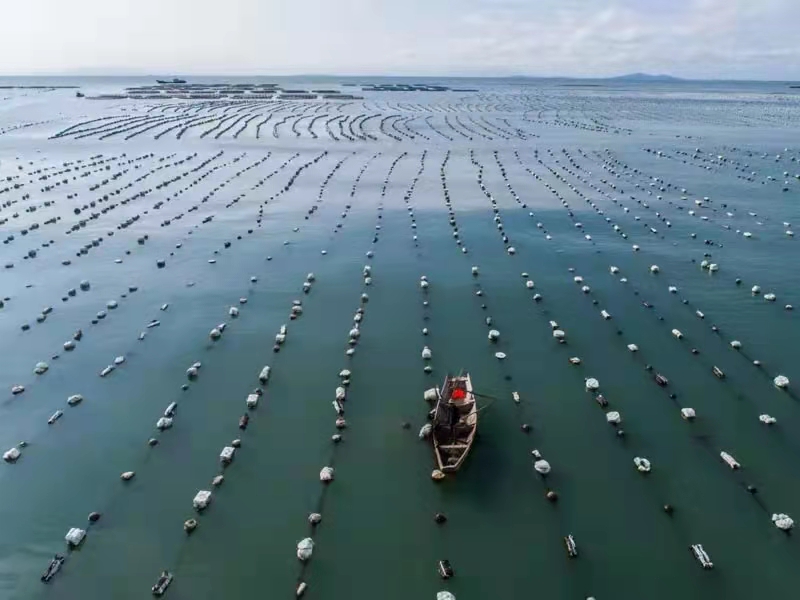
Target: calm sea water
(734,144)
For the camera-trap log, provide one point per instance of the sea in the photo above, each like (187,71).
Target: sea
(155,245)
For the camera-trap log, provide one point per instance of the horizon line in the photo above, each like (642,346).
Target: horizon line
(666,78)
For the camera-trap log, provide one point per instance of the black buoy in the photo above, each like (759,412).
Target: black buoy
(94,517)
(752,489)
(406,425)
(668,509)
(551,496)
(440,518)
(525,427)
(445,570)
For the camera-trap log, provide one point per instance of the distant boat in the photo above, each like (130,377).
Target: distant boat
(167,81)
(455,421)
(79,95)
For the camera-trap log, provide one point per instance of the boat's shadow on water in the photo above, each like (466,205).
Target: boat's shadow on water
(481,479)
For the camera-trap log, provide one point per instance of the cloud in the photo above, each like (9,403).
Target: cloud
(694,38)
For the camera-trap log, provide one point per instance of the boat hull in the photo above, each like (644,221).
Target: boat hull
(455,423)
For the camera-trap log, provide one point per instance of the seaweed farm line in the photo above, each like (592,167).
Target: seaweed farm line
(226,309)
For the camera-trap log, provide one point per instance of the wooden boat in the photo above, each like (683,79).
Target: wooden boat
(455,421)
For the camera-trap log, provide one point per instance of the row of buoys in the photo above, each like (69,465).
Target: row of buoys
(540,465)
(166,421)
(305,546)
(710,266)
(686,413)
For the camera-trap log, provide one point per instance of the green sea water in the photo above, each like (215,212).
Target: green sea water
(378,537)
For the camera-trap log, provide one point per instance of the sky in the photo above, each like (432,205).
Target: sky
(705,39)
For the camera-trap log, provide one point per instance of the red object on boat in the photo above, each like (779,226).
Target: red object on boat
(459,394)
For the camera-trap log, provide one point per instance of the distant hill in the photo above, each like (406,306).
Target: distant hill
(645,77)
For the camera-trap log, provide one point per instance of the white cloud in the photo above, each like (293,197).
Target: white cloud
(699,38)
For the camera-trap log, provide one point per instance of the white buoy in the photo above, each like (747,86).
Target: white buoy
(426,353)
(654,269)
(782,521)
(633,347)
(493,335)
(500,355)
(688,413)
(592,384)
(542,466)
(613,417)
(736,344)
(677,333)
(512,250)
(11,455)
(305,549)
(767,419)
(781,382)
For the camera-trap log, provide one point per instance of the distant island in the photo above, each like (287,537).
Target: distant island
(632,77)
(645,77)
